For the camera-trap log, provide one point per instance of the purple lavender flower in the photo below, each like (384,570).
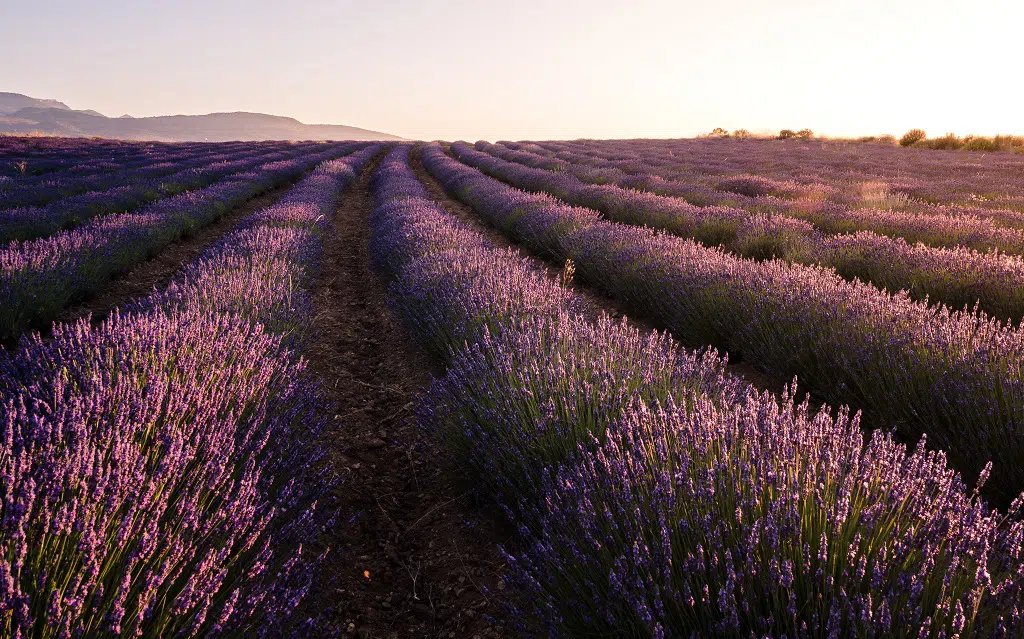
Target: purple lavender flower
(952,375)
(161,471)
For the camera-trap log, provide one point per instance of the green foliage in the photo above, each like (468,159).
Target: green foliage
(948,142)
(912,137)
(972,143)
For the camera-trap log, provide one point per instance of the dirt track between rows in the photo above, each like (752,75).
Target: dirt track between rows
(410,557)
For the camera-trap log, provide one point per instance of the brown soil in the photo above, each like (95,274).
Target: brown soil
(408,558)
(159,269)
(595,302)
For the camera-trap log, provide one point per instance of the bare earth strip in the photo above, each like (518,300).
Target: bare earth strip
(408,557)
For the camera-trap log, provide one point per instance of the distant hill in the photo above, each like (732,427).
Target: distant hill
(13,102)
(23,114)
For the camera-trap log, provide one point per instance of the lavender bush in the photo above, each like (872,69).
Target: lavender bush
(727,513)
(957,275)
(99,173)
(526,400)
(952,375)
(40,278)
(31,222)
(161,473)
(761,519)
(145,464)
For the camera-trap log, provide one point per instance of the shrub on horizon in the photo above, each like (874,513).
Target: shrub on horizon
(948,142)
(912,137)
(978,143)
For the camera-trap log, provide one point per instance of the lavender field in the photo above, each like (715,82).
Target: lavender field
(593,388)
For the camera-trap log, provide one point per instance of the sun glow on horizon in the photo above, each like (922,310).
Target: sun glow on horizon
(536,70)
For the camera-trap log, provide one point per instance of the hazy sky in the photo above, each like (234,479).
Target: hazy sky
(531,68)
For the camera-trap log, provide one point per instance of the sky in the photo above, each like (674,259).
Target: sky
(533,69)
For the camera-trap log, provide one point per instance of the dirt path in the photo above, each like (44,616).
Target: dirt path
(595,301)
(407,559)
(159,269)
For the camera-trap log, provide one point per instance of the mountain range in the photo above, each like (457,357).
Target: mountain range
(21,114)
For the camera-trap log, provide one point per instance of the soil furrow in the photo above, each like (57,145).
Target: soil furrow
(408,557)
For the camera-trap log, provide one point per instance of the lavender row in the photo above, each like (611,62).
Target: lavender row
(761,519)
(464,300)
(93,164)
(935,177)
(101,174)
(262,268)
(878,205)
(958,277)
(724,511)
(880,200)
(955,376)
(940,226)
(38,279)
(22,156)
(166,482)
(34,222)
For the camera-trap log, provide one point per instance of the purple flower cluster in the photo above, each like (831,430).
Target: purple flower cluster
(160,471)
(261,270)
(959,276)
(125,194)
(957,376)
(516,348)
(141,483)
(761,519)
(989,182)
(437,267)
(102,173)
(22,156)
(41,277)
(657,496)
(927,184)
